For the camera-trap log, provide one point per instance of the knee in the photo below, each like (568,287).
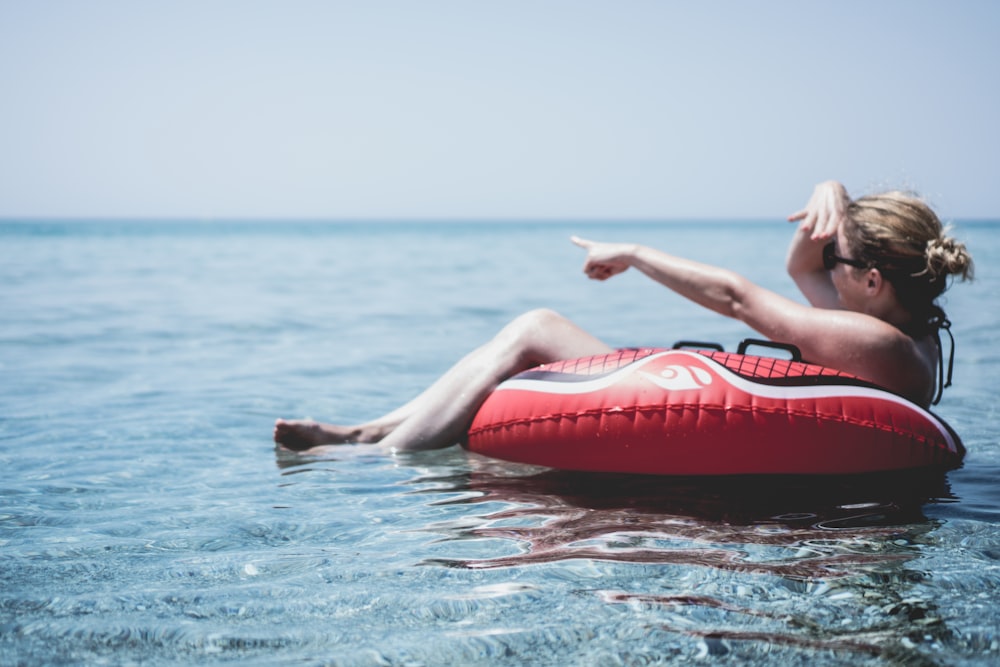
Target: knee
(525,329)
(533,320)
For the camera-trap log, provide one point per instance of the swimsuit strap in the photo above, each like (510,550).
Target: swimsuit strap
(942,322)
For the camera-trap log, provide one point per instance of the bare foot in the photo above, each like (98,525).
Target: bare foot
(304,434)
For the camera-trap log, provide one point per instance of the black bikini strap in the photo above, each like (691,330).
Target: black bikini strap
(943,383)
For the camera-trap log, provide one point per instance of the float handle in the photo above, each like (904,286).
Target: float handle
(791,349)
(697,345)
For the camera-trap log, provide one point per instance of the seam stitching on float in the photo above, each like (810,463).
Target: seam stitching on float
(558,416)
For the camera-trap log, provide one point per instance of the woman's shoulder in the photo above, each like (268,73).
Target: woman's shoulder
(874,350)
(902,364)
(855,342)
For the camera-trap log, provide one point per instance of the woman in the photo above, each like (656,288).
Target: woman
(870,268)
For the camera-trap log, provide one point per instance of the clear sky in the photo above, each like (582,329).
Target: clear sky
(489,109)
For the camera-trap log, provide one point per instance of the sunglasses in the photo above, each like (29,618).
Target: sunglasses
(831,258)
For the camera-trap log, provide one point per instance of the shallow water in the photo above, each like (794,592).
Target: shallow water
(146,517)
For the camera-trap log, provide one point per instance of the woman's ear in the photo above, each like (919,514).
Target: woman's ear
(874,281)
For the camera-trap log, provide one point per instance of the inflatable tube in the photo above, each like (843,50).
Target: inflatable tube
(700,412)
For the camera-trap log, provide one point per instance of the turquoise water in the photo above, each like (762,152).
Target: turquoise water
(145,516)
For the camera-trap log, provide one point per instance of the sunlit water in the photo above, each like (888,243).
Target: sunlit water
(145,516)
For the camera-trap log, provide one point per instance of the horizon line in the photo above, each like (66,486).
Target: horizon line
(199,219)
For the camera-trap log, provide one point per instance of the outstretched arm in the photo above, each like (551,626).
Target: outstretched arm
(715,288)
(850,341)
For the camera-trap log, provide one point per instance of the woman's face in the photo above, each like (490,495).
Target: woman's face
(849,281)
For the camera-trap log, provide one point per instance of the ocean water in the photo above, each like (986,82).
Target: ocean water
(146,517)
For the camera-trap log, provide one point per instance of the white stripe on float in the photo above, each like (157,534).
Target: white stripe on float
(753,388)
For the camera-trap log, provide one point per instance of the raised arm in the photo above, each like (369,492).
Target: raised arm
(818,223)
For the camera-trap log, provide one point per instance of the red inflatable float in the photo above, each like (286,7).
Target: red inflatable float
(707,412)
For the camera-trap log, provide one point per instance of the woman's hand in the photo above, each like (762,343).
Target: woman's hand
(824,213)
(605,259)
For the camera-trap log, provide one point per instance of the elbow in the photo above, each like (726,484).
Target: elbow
(736,295)
(796,265)
(791,267)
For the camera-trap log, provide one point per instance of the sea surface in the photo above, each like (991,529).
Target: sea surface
(147,518)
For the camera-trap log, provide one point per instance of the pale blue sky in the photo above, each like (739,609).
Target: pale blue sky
(475,109)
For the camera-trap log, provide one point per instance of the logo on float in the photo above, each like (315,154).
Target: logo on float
(679,378)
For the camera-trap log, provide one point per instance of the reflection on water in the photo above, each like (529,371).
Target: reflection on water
(835,553)
(832,524)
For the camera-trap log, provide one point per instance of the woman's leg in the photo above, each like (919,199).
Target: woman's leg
(440,415)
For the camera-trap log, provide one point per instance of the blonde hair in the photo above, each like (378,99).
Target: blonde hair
(900,235)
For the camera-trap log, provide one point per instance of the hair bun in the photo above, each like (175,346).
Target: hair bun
(946,256)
